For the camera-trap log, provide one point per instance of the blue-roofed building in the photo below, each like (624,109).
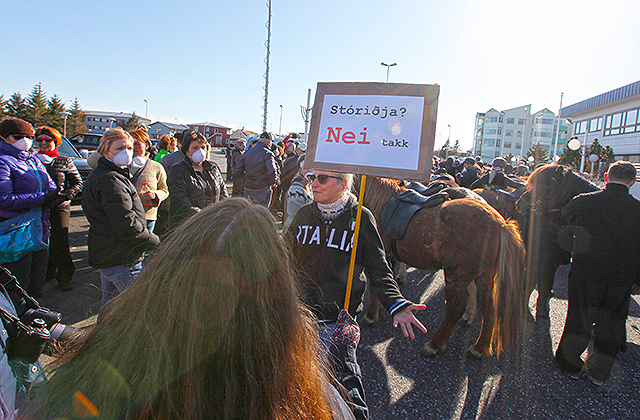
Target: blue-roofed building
(613,118)
(159,128)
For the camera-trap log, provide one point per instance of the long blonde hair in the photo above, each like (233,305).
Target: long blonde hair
(213,328)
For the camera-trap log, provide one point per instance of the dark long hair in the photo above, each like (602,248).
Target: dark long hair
(212,329)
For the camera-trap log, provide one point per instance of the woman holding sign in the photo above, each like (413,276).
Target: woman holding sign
(321,237)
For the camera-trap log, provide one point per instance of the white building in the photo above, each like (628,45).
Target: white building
(514,131)
(613,118)
(100,121)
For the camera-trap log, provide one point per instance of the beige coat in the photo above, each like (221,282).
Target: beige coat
(156,179)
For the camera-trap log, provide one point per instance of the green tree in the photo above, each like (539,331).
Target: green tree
(594,149)
(456,148)
(539,153)
(17,107)
(37,105)
(3,108)
(76,121)
(131,122)
(607,154)
(570,157)
(53,114)
(443,150)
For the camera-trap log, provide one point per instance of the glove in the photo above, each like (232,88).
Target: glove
(52,199)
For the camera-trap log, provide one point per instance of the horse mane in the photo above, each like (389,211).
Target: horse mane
(554,185)
(378,191)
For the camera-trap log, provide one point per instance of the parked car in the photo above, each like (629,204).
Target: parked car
(86,141)
(67,149)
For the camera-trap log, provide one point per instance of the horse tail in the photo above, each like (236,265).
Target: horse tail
(510,290)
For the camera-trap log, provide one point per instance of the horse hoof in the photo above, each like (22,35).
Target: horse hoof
(428,351)
(473,353)
(365,321)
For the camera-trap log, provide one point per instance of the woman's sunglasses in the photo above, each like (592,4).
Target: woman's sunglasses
(322,178)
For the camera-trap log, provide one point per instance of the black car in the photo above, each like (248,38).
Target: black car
(86,141)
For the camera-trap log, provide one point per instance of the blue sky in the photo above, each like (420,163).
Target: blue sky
(203,60)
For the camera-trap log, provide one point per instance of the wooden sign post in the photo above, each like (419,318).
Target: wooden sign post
(380,129)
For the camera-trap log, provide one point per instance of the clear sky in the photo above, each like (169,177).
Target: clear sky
(196,61)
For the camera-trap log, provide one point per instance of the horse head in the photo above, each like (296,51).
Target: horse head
(550,187)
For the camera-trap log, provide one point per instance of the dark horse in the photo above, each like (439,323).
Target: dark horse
(500,200)
(471,242)
(549,189)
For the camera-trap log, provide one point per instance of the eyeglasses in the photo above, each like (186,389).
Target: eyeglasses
(322,178)
(21,136)
(47,139)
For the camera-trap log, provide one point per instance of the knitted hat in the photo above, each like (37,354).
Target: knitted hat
(49,132)
(13,126)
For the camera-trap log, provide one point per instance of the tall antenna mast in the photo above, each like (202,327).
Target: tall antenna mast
(266,74)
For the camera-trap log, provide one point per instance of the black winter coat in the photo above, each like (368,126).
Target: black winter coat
(192,190)
(258,166)
(118,233)
(606,230)
(66,176)
(323,254)
(500,180)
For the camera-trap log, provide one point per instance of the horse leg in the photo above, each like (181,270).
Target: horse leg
(373,313)
(400,271)
(455,290)
(472,305)
(482,347)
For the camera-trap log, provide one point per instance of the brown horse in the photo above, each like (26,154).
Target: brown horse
(549,189)
(471,242)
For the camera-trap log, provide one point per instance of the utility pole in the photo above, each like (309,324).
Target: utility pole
(266,74)
(306,115)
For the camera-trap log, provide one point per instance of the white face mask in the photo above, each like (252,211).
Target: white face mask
(45,158)
(23,144)
(123,158)
(138,161)
(198,156)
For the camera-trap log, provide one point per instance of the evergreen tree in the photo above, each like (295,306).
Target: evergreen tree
(570,157)
(76,121)
(131,122)
(443,149)
(607,154)
(594,149)
(456,148)
(37,105)
(17,107)
(3,108)
(53,114)
(539,153)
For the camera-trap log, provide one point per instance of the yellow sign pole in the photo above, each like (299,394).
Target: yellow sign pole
(355,244)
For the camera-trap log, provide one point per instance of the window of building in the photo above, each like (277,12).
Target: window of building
(510,120)
(498,142)
(497,154)
(581,127)
(492,119)
(501,119)
(519,133)
(499,130)
(518,145)
(489,142)
(595,125)
(508,133)
(491,131)
(546,120)
(507,145)
(612,124)
(520,121)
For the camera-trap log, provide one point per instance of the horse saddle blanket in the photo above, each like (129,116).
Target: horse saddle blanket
(399,210)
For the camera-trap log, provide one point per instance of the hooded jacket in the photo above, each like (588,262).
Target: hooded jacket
(322,251)
(118,233)
(19,182)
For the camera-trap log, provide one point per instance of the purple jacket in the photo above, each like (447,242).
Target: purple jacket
(19,182)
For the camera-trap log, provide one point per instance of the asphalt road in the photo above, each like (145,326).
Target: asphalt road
(400,383)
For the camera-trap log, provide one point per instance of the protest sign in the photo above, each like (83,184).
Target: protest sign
(381,129)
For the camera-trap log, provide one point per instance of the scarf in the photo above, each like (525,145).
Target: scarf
(52,153)
(333,210)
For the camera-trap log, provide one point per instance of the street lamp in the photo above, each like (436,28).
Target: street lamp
(65,114)
(280,129)
(574,144)
(146,109)
(388,65)
(448,142)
